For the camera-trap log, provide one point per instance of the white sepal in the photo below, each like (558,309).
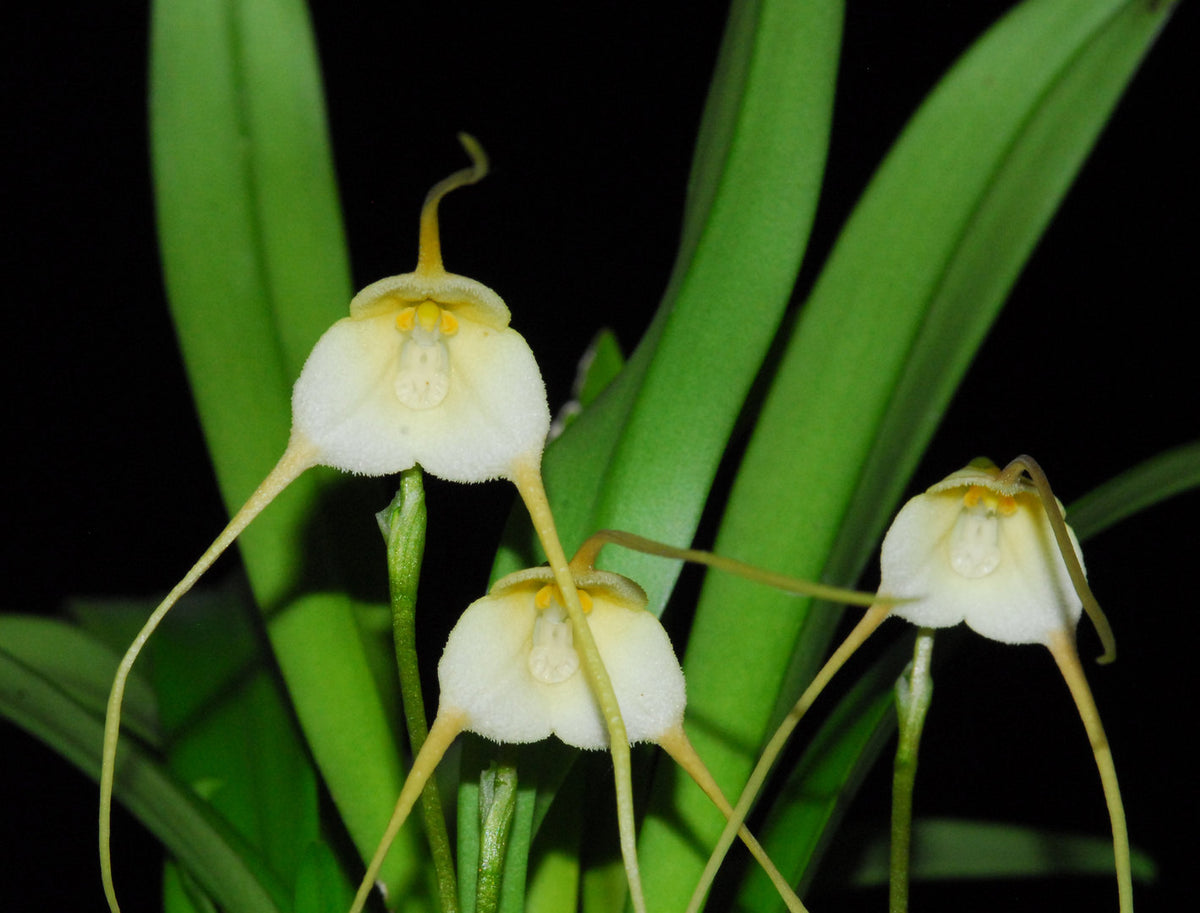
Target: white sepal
(508,667)
(970,549)
(350,404)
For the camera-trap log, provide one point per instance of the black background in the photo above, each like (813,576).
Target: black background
(589,114)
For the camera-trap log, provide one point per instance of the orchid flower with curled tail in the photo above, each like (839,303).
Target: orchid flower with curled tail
(990,548)
(425,370)
(512,672)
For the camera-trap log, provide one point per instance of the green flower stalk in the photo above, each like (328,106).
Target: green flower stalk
(914,692)
(403,526)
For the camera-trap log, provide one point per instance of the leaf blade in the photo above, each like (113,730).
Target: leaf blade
(227,867)
(892,322)
(256,269)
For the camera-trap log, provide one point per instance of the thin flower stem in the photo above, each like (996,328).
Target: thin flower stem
(527,476)
(874,617)
(299,457)
(429,251)
(679,747)
(446,728)
(1062,648)
(914,691)
(592,547)
(403,526)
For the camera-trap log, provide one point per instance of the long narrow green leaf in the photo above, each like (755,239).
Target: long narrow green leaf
(226,866)
(205,668)
(1156,479)
(81,666)
(916,277)
(645,456)
(256,269)
(230,731)
(947,848)
(321,885)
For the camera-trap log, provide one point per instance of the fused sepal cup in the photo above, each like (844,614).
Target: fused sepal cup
(978,549)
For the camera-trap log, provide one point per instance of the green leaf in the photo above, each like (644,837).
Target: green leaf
(1161,477)
(82,667)
(644,456)
(600,365)
(256,269)
(918,274)
(181,893)
(230,730)
(320,884)
(946,848)
(225,866)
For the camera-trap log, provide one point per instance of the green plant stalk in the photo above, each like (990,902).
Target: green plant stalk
(403,526)
(497,803)
(914,691)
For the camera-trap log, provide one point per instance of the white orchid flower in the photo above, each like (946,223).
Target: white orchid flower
(511,672)
(510,666)
(991,548)
(424,370)
(981,549)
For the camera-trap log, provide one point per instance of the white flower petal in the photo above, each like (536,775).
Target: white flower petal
(1030,595)
(1001,573)
(645,675)
(493,409)
(485,670)
(912,562)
